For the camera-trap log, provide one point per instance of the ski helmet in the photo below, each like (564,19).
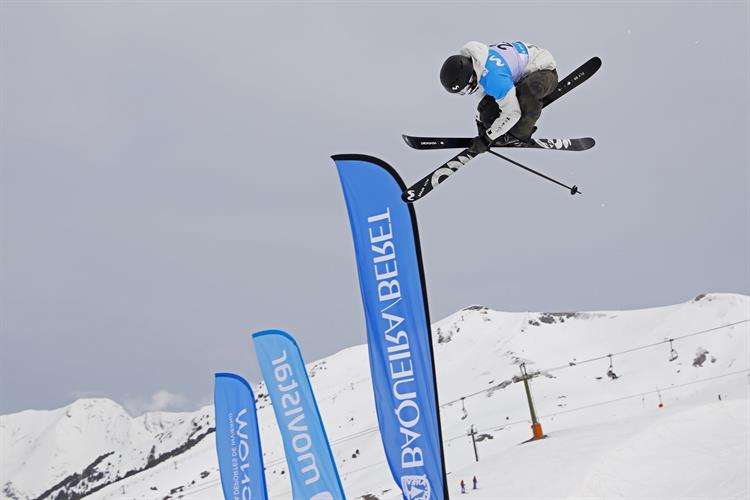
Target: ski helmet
(457,75)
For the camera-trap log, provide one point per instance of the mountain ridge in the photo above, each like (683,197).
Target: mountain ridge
(478,353)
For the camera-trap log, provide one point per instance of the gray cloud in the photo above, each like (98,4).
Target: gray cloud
(161,400)
(167,188)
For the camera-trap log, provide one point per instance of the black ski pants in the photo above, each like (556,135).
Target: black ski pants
(530,91)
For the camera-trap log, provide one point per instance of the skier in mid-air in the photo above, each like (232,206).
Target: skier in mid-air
(512,79)
(516,81)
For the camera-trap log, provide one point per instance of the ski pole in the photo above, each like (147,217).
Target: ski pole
(573,190)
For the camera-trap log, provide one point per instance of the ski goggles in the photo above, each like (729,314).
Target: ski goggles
(471,87)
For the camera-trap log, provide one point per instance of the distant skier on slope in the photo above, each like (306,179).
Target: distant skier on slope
(512,78)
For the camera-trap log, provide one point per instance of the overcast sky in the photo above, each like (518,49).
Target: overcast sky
(167,187)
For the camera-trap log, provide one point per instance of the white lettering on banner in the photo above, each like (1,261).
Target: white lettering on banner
(398,350)
(243,452)
(301,440)
(235,464)
(415,487)
(382,244)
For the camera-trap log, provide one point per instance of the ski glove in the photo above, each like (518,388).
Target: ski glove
(480,144)
(488,111)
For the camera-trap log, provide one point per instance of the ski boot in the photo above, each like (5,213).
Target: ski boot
(508,141)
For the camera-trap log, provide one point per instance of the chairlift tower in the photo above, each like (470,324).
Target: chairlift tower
(536,427)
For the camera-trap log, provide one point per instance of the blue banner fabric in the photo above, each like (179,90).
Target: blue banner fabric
(238,440)
(391,280)
(312,469)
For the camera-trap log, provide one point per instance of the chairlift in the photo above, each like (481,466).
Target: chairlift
(672,353)
(610,372)
(464,413)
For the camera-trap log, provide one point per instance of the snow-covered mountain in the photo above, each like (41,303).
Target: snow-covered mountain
(88,444)
(665,427)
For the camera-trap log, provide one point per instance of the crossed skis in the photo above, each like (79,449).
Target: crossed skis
(440,174)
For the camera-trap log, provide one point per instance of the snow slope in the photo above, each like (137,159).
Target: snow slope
(606,437)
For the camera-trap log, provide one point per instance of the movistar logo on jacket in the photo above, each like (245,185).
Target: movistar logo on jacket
(520,48)
(497,60)
(504,67)
(498,78)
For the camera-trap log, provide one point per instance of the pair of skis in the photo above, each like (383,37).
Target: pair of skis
(433,179)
